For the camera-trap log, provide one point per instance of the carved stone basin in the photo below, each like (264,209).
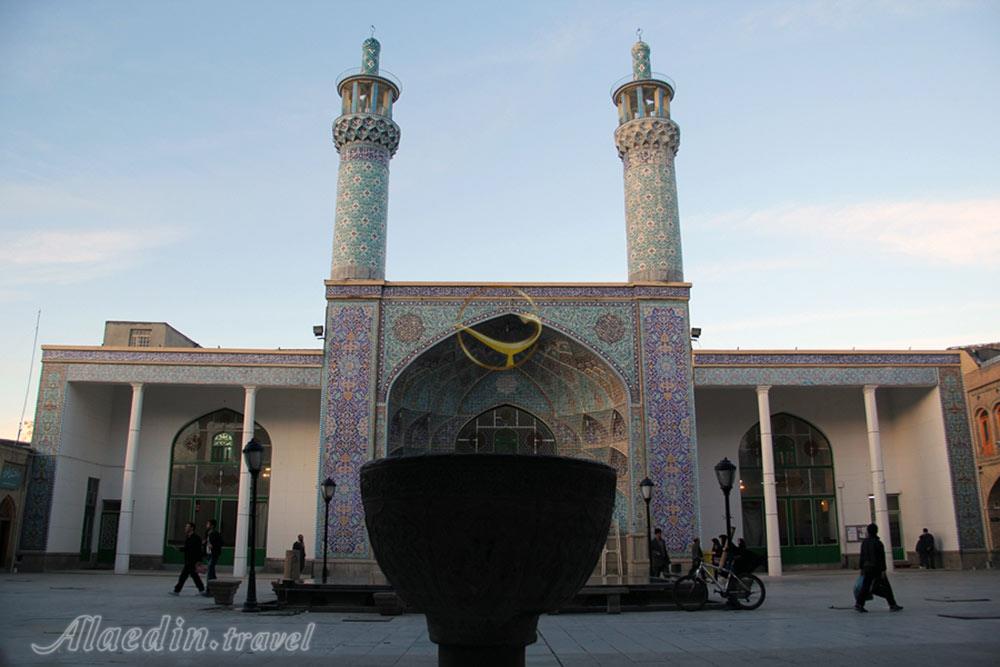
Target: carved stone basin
(484,543)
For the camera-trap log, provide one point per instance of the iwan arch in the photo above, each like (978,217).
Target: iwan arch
(826,440)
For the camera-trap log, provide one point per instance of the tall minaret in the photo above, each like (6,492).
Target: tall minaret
(647,141)
(366,138)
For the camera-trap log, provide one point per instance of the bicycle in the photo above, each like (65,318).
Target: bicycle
(745,591)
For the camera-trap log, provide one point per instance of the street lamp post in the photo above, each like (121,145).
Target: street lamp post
(724,472)
(646,488)
(254,455)
(328,487)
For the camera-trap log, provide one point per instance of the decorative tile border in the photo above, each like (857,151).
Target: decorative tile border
(807,376)
(347,421)
(758,359)
(310,377)
(397,291)
(188,358)
(670,429)
(961,460)
(46,443)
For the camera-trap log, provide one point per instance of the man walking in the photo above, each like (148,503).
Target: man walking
(192,555)
(659,556)
(873,572)
(925,549)
(213,546)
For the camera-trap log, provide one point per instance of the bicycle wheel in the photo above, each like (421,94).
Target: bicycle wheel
(690,593)
(748,592)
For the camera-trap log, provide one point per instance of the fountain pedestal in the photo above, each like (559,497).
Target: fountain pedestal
(485,543)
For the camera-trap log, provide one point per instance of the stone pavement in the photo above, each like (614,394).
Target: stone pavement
(796,625)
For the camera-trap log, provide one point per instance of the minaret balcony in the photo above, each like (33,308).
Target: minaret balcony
(365,93)
(643,98)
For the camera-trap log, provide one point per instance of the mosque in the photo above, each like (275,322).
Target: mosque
(143,433)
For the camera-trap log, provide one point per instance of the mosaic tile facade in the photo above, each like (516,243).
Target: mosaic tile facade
(647,147)
(563,383)
(578,319)
(670,425)
(962,461)
(346,421)
(362,206)
(889,376)
(46,443)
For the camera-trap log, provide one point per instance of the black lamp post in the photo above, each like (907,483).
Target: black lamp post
(328,487)
(254,455)
(725,470)
(646,488)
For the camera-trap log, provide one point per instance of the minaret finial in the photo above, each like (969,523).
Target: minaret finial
(641,69)
(370,49)
(373,31)
(638,34)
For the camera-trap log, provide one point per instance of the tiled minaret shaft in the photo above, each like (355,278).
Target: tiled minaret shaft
(647,141)
(366,138)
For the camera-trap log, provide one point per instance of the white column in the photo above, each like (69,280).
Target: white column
(124,545)
(878,474)
(243,504)
(770,489)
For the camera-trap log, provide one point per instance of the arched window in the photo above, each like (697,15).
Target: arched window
(505,430)
(807,507)
(205,481)
(985,441)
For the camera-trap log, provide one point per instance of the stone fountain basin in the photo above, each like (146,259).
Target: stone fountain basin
(484,543)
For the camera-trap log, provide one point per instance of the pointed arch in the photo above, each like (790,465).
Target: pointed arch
(806,488)
(204,479)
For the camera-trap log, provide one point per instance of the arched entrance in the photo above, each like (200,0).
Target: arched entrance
(807,502)
(506,429)
(205,482)
(556,396)
(993,515)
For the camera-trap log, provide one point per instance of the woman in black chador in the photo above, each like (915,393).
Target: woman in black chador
(874,579)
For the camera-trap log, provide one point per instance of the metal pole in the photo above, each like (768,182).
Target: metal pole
(326,542)
(649,538)
(251,602)
(729,528)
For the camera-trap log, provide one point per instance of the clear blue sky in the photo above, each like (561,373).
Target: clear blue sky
(838,177)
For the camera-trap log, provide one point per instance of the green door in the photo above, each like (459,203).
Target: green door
(205,482)
(804,483)
(107,538)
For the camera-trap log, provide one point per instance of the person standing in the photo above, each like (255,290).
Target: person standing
(300,546)
(659,556)
(874,579)
(925,549)
(213,547)
(696,555)
(192,556)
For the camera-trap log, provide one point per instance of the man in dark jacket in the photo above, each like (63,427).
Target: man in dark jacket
(873,572)
(192,556)
(213,546)
(659,556)
(925,549)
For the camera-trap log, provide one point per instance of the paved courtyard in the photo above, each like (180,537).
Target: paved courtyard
(949,618)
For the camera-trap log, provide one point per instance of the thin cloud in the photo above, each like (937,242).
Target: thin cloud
(958,232)
(72,256)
